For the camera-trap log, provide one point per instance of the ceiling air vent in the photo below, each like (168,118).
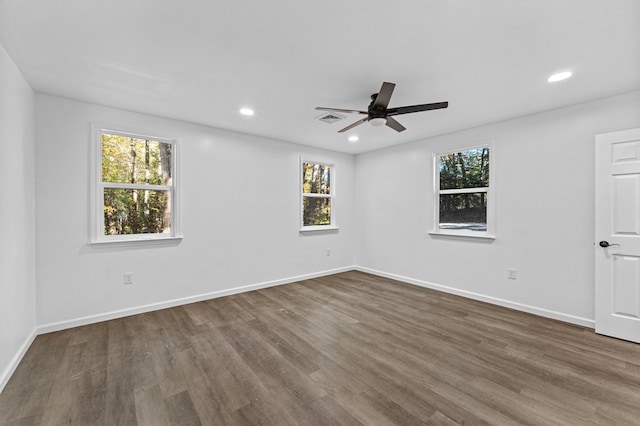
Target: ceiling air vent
(331,117)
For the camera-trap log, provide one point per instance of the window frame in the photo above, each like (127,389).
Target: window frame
(97,187)
(331,196)
(434,228)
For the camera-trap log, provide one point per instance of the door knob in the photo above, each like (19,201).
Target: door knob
(606,244)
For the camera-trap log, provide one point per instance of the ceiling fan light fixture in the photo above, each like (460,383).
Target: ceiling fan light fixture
(377,122)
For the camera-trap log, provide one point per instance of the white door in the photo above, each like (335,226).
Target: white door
(617,233)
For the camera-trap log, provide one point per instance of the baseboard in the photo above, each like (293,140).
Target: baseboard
(77,322)
(11,368)
(62,325)
(106,316)
(585,322)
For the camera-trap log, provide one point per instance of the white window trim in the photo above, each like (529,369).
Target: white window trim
(434,227)
(96,189)
(331,196)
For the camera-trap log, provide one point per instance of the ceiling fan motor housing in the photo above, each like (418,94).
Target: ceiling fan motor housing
(374,111)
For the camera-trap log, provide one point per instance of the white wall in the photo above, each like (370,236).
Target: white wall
(545,211)
(240,218)
(240,215)
(17,201)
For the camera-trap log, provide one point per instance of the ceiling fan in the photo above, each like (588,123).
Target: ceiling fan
(377,114)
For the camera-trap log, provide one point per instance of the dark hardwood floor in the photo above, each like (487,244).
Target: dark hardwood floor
(347,349)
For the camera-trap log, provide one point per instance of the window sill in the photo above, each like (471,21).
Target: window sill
(462,236)
(155,241)
(318,228)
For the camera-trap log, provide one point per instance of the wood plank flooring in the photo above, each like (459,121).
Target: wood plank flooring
(347,349)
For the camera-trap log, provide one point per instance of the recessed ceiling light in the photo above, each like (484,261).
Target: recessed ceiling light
(353,138)
(246,111)
(559,76)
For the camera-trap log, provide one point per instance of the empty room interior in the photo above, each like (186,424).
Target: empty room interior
(313,213)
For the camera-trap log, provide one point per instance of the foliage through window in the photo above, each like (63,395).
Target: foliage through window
(136,189)
(462,191)
(317,195)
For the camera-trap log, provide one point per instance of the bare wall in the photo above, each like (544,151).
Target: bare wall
(240,214)
(17,215)
(240,218)
(544,180)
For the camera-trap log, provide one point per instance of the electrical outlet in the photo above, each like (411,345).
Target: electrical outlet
(328,252)
(512,273)
(128,278)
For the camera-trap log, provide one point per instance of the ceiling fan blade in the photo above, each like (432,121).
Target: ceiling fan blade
(416,108)
(393,123)
(350,111)
(351,126)
(384,95)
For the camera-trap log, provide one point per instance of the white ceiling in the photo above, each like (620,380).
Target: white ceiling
(201,60)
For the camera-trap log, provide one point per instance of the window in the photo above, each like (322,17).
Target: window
(135,190)
(462,193)
(317,197)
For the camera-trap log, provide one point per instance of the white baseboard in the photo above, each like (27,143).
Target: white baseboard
(62,325)
(585,322)
(105,316)
(11,368)
(77,322)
